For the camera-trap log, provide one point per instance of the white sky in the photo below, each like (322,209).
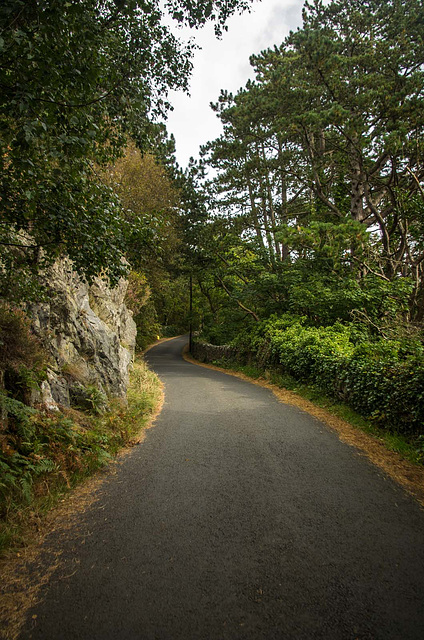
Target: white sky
(224,64)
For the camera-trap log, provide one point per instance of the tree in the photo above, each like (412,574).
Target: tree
(78,78)
(150,201)
(321,158)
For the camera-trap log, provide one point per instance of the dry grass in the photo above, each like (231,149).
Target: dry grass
(143,380)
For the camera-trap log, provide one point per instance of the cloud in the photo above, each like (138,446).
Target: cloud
(224,64)
(281,19)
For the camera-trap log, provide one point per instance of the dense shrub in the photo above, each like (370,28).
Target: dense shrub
(18,345)
(381,379)
(22,358)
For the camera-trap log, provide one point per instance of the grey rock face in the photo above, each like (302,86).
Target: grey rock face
(89,333)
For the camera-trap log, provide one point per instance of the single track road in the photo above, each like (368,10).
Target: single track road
(237,518)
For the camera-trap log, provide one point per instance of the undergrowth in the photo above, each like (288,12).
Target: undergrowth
(381,379)
(410,447)
(43,455)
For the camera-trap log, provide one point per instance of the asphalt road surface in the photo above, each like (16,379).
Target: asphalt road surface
(238,518)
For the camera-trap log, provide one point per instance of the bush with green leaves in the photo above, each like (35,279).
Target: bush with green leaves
(37,445)
(379,378)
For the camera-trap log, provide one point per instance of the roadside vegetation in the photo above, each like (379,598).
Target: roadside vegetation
(45,454)
(380,379)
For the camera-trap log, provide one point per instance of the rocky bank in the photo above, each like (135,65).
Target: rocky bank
(90,336)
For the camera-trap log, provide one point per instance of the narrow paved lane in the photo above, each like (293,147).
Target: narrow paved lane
(238,518)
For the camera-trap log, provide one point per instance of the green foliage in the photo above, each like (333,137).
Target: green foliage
(381,379)
(18,415)
(138,292)
(319,170)
(148,193)
(139,300)
(42,455)
(22,358)
(19,464)
(77,79)
(34,445)
(18,345)
(148,326)
(220,333)
(88,398)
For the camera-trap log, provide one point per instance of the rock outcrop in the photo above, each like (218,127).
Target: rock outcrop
(90,335)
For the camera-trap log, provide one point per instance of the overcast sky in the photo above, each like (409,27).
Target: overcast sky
(224,64)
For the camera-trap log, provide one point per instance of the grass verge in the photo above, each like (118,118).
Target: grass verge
(44,455)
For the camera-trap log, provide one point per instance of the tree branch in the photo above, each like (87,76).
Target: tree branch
(240,304)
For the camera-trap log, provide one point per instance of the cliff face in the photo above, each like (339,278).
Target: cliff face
(90,335)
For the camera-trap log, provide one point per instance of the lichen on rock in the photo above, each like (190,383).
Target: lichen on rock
(88,332)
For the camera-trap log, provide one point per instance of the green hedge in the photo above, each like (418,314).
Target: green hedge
(381,379)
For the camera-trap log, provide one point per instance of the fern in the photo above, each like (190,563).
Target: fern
(25,483)
(18,474)
(21,415)
(45,466)
(102,457)
(8,480)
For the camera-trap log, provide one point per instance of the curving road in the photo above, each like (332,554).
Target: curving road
(238,518)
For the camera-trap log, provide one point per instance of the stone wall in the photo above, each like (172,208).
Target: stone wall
(209,352)
(89,334)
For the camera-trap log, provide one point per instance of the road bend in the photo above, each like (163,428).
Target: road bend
(238,517)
